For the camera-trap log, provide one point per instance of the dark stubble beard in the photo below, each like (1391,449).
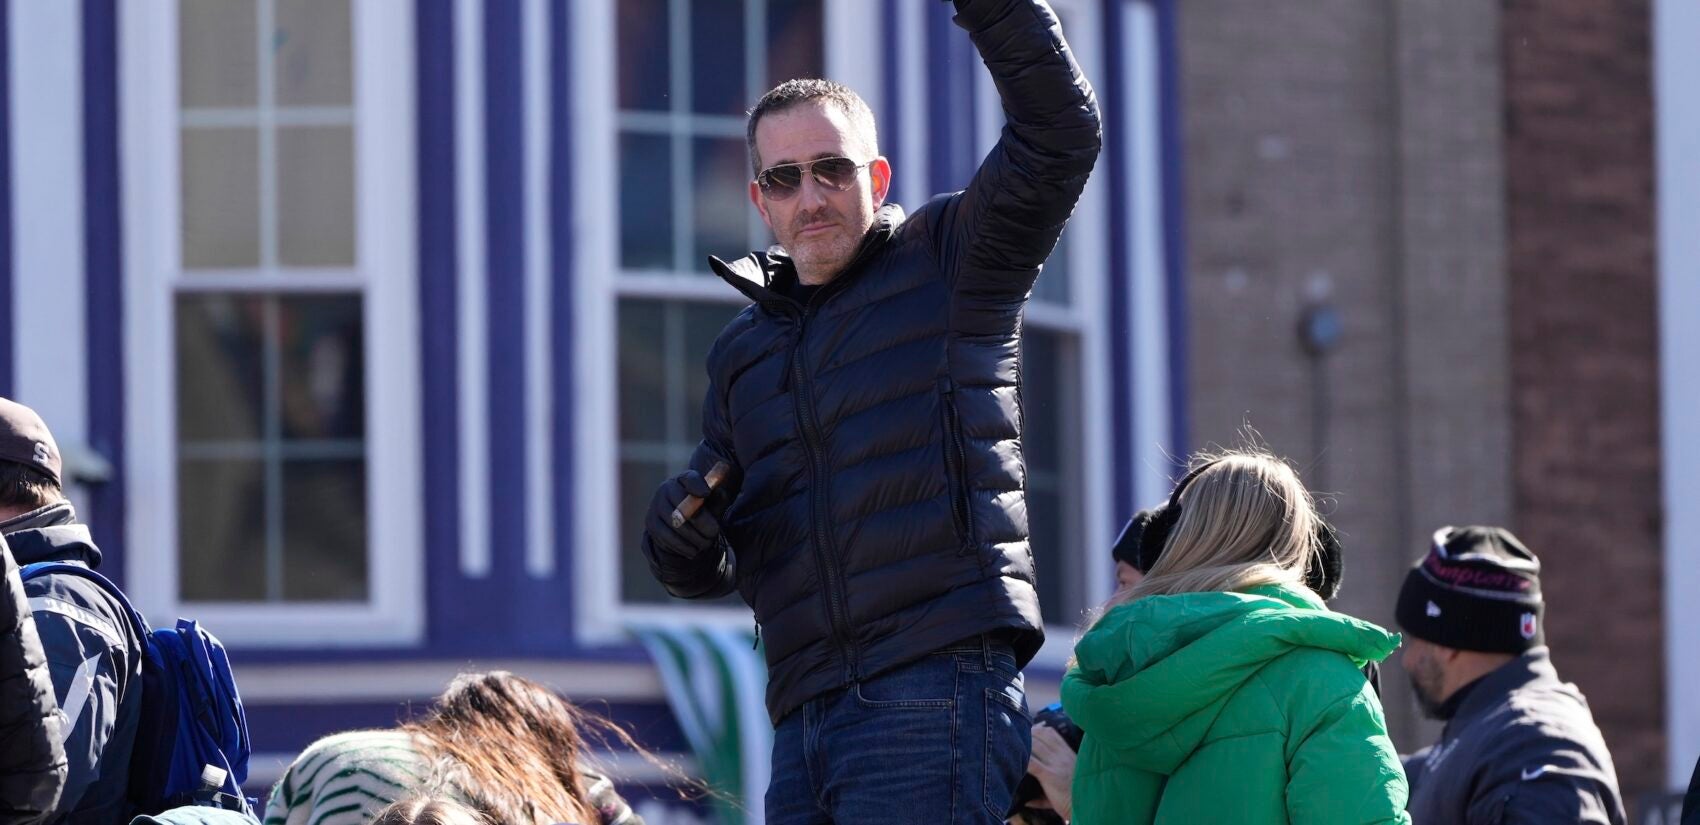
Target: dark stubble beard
(1426,699)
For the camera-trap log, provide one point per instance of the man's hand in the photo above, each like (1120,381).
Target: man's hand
(1053,765)
(696,535)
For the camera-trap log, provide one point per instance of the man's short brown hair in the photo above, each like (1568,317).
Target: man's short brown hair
(792,92)
(23,488)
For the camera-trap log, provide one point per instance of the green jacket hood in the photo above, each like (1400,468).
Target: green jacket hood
(1151,676)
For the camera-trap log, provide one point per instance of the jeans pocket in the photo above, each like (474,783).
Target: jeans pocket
(1009,742)
(929,683)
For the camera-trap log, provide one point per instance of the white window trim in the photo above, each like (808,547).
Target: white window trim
(1677,24)
(852,57)
(385,195)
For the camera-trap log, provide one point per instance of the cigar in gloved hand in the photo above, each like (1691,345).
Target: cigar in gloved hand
(692,504)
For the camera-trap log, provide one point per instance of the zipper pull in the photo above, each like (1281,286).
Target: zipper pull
(757,643)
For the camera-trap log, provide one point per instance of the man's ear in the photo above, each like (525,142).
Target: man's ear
(761,205)
(880,173)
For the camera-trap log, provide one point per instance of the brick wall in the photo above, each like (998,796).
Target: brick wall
(1579,196)
(1349,152)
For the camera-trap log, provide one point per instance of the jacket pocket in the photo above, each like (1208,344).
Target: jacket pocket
(956,466)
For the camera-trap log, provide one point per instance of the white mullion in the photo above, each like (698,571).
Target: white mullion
(227,118)
(1149,312)
(679,144)
(596,265)
(274,279)
(472,341)
(755,85)
(661,123)
(267,72)
(674,286)
(1053,316)
(540,539)
(48,322)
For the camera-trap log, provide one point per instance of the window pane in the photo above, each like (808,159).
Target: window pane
(644,54)
(703,323)
(1054,284)
(315,196)
(1051,444)
(794,40)
(662,383)
(646,202)
(323,377)
(217,41)
(717,58)
(324,530)
(219,367)
(221,517)
(314,49)
(221,198)
(723,214)
(643,372)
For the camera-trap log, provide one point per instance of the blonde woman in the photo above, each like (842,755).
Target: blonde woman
(1220,688)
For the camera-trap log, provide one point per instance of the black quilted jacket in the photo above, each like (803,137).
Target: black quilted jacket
(879,510)
(32,758)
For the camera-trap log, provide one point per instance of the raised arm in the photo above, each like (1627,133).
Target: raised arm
(994,235)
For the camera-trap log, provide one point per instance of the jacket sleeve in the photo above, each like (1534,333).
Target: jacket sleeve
(993,236)
(1543,779)
(32,755)
(714,573)
(88,658)
(1344,770)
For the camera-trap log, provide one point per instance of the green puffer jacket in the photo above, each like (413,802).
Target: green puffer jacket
(1231,707)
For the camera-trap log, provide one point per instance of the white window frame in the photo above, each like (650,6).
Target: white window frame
(386,275)
(853,57)
(1083,319)
(1676,24)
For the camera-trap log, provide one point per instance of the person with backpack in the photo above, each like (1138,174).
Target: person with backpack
(32,755)
(93,655)
(1221,688)
(152,719)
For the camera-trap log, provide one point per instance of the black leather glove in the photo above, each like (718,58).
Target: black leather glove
(699,533)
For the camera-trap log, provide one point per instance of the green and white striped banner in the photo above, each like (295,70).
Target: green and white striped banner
(716,683)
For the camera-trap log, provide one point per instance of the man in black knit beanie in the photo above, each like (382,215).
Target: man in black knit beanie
(1519,746)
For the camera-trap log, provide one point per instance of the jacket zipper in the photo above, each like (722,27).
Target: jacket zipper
(802,398)
(957,469)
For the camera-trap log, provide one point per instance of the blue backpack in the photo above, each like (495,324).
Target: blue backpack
(192,739)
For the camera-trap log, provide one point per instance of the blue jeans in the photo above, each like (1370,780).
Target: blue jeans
(941,740)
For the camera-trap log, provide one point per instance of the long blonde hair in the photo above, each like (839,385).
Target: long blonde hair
(1245,520)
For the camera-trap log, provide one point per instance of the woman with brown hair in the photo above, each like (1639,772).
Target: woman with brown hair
(427,810)
(508,748)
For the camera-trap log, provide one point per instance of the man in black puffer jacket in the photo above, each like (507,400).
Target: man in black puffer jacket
(868,405)
(32,753)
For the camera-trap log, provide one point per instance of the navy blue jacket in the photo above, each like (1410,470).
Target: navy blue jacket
(878,510)
(95,660)
(1522,747)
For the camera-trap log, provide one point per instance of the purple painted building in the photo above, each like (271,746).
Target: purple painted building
(367,327)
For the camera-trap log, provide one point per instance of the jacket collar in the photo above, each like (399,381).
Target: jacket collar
(1491,690)
(50,533)
(756,274)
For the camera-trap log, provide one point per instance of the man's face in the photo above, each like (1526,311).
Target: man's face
(819,226)
(1422,662)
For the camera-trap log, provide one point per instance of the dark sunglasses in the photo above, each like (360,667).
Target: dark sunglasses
(783,181)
